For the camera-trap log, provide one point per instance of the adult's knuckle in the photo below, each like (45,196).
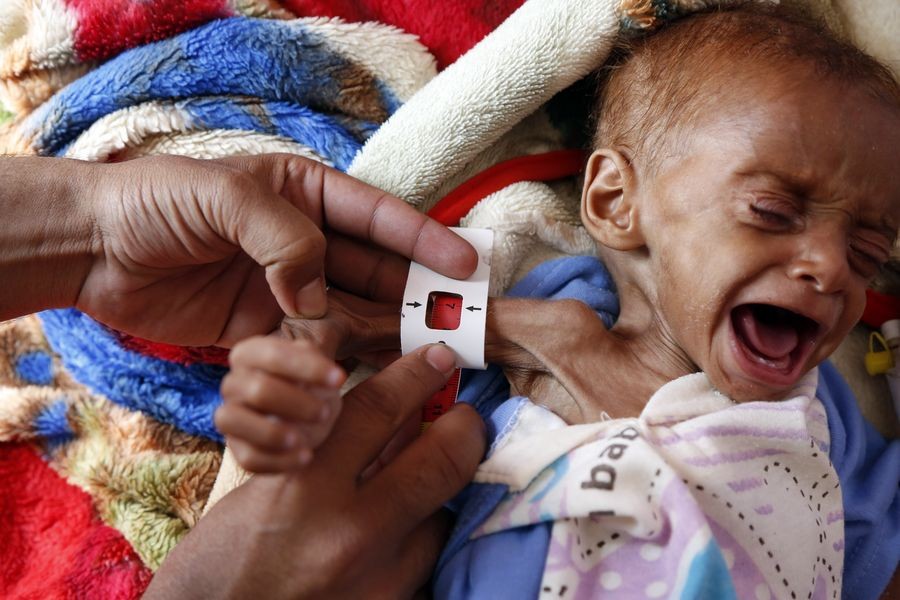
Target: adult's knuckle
(313,244)
(381,203)
(307,248)
(298,168)
(420,235)
(237,182)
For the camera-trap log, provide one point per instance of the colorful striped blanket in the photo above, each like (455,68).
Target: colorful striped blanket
(125,425)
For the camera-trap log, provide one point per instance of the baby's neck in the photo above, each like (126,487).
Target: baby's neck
(559,354)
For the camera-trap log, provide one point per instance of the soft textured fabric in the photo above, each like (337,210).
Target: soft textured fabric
(471,19)
(865,463)
(315,91)
(695,498)
(183,396)
(47,44)
(869,468)
(146,479)
(54,546)
(129,421)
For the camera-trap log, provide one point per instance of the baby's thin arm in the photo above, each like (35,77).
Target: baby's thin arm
(566,340)
(533,335)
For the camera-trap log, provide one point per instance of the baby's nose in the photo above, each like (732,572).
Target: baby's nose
(823,263)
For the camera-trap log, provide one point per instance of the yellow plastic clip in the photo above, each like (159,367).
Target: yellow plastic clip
(878,361)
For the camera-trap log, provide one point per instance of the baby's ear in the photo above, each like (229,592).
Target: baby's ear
(608,207)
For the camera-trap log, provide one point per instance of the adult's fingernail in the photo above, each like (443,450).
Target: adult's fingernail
(312,301)
(441,358)
(304,457)
(464,406)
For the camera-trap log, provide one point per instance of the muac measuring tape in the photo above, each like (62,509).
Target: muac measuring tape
(441,310)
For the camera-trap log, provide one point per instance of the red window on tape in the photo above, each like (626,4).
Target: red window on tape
(444,311)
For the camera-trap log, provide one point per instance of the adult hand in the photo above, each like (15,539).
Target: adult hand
(201,252)
(327,532)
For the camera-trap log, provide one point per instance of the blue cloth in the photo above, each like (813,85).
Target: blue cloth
(183,396)
(270,76)
(510,564)
(868,467)
(35,368)
(53,425)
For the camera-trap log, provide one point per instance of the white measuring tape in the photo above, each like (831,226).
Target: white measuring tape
(424,288)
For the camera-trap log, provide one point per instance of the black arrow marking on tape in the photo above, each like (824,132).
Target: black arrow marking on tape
(414,304)
(472,308)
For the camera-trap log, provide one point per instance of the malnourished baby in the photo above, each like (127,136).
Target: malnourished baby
(743,192)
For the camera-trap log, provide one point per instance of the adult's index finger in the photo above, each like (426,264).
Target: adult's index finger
(376,409)
(354,208)
(428,472)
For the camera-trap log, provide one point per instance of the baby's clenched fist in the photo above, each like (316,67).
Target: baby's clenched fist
(280,401)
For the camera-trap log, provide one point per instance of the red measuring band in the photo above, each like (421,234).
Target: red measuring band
(446,312)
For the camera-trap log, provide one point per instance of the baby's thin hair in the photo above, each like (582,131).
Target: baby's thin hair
(663,81)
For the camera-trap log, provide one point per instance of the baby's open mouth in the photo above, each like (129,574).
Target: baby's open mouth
(772,344)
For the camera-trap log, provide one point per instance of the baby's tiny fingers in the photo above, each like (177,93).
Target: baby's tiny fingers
(256,460)
(270,395)
(295,360)
(235,421)
(316,433)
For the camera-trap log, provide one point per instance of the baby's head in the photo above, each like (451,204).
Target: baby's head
(744,190)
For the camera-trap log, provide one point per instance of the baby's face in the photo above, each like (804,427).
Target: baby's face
(764,234)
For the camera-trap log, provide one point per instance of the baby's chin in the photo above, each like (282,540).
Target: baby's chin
(742,390)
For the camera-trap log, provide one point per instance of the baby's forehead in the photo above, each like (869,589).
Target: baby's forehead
(824,148)
(699,65)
